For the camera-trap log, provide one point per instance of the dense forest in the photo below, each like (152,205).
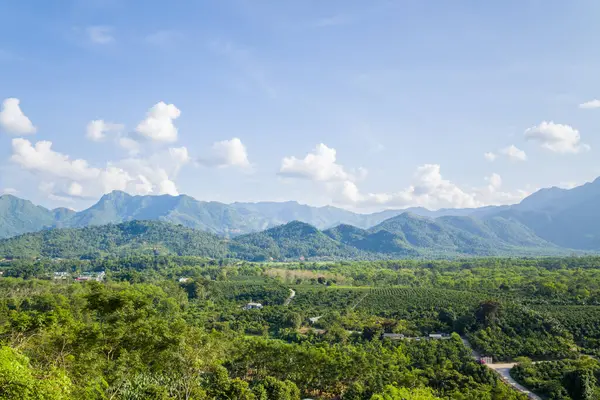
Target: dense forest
(175,327)
(405,236)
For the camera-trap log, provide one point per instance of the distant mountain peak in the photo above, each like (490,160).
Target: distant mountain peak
(116,194)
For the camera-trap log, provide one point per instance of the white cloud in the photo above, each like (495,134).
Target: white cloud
(168,187)
(557,138)
(429,189)
(75,189)
(96,130)
(490,156)
(64,177)
(158,125)
(513,153)
(11,191)
(180,155)
(495,180)
(41,157)
(13,120)
(100,34)
(590,104)
(227,153)
(127,143)
(319,165)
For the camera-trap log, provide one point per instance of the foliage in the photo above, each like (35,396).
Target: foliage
(567,379)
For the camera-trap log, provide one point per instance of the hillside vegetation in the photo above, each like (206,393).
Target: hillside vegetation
(400,237)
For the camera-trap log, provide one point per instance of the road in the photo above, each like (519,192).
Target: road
(289,299)
(503,370)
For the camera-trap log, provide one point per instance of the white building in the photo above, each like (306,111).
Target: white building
(61,275)
(253,306)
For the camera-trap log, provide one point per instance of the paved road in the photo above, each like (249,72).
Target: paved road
(504,371)
(289,299)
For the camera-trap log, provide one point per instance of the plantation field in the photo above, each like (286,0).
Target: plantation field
(583,322)
(402,302)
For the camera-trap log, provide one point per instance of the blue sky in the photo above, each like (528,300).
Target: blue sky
(363,105)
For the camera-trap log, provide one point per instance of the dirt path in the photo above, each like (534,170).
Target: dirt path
(289,299)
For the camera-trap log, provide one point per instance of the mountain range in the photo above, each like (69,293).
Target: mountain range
(406,235)
(18,216)
(550,221)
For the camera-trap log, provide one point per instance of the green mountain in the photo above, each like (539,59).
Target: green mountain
(121,239)
(548,219)
(228,220)
(19,216)
(382,242)
(406,235)
(293,240)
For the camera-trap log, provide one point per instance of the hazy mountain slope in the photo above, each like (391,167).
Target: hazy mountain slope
(212,217)
(19,216)
(548,218)
(465,235)
(567,218)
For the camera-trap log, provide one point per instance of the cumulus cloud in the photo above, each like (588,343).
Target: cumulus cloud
(513,153)
(590,104)
(158,125)
(75,189)
(13,120)
(100,34)
(63,176)
(557,138)
(96,130)
(319,165)
(429,189)
(227,153)
(490,156)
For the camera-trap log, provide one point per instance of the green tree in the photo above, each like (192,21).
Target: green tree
(395,393)
(18,380)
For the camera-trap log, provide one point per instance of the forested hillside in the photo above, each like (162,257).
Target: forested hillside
(550,221)
(401,237)
(127,238)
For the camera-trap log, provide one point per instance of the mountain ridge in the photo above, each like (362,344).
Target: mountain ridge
(220,218)
(553,217)
(293,241)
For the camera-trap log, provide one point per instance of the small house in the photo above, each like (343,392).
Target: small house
(98,277)
(61,275)
(253,306)
(184,280)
